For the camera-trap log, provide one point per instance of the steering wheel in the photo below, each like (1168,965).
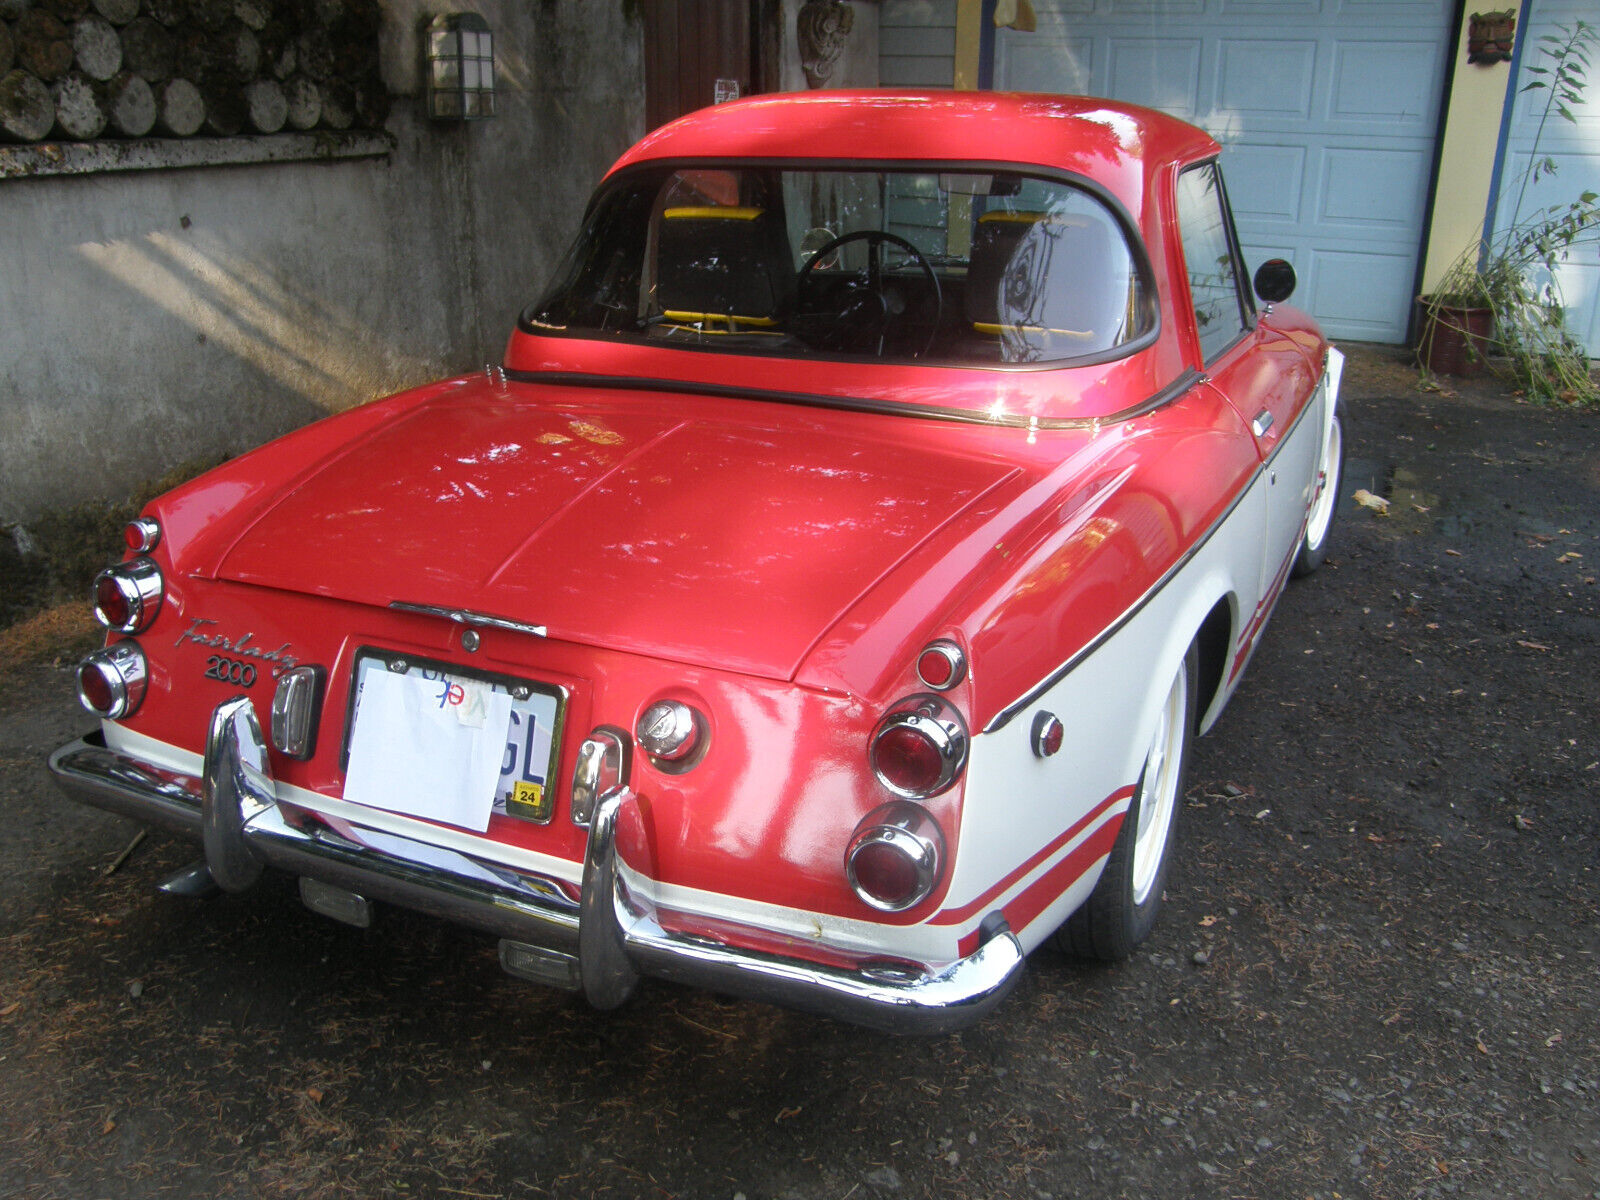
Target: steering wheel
(869,307)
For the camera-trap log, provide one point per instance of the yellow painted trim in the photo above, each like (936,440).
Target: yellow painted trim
(1020,218)
(969,42)
(713,213)
(996,330)
(730,319)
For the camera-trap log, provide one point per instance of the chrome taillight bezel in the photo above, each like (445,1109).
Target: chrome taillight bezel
(910,831)
(123,669)
(931,717)
(944,654)
(140,585)
(142,534)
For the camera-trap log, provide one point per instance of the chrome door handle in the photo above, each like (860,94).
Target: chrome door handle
(1262,423)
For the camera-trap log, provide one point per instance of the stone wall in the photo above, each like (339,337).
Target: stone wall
(154,316)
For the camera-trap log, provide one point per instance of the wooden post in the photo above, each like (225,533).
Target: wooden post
(96,48)
(130,105)
(26,110)
(79,116)
(180,111)
(43,46)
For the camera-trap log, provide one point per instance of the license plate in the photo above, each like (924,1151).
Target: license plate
(452,746)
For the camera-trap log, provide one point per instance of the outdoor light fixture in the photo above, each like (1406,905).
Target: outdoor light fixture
(460,67)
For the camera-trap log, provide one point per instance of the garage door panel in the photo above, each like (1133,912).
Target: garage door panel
(1373,189)
(1386,83)
(1327,109)
(1269,79)
(1273,8)
(1052,65)
(1265,182)
(1163,74)
(1365,293)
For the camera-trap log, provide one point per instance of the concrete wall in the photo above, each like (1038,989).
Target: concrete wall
(152,317)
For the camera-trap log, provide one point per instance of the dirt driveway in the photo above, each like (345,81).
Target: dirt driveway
(1378,974)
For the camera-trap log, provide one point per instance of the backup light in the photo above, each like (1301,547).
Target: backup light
(896,856)
(111,682)
(295,708)
(127,597)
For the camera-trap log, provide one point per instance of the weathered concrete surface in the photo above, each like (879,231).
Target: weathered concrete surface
(157,316)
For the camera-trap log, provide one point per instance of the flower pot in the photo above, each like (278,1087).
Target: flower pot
(1454,339)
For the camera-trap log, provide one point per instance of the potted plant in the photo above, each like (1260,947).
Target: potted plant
(1502,295)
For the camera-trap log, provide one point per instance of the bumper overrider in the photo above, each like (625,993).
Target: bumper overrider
(600,943)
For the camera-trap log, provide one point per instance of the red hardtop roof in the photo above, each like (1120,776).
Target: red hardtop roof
(1115,144)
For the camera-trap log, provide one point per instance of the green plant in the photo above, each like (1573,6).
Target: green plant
(1512,271)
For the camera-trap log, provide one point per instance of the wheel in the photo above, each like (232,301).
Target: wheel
(1330,477)
(869,307)
(1121,910)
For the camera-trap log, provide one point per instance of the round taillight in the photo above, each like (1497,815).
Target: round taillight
(113,607)
(142,534)
(1048,734)
(920,747)
(111,682)
(96,688)
(908,759)
(896,857)
(127,597)
(941,665)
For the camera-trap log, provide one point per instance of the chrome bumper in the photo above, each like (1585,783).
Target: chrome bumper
(605,939)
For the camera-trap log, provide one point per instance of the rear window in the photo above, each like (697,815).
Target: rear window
(953,267)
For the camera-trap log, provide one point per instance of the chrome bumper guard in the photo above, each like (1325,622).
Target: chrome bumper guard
(611,935)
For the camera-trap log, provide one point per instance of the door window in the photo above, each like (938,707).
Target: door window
(1213,265)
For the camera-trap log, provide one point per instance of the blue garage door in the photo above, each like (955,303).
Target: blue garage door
(1574,146)
(1326,108)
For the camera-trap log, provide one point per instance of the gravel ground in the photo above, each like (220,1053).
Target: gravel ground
(1376,975)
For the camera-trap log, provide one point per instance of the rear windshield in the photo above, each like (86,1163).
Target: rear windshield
(966,268)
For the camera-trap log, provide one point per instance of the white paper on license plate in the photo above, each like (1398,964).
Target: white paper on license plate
(422,749)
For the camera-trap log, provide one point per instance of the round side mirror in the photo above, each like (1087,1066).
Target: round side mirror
(1275,280)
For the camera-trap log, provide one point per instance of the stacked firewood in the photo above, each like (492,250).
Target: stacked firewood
(86,69)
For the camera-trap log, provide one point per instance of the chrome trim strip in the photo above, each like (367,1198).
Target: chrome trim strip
(465,616)
(1004,717)
(614,930)
(897,408)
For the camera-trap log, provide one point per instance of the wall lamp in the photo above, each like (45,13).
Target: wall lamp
(460,67)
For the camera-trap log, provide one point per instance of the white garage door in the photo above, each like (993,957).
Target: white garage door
(1574,147)
(1326,109)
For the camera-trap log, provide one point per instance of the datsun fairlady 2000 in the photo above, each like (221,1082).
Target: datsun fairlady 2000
(817,604)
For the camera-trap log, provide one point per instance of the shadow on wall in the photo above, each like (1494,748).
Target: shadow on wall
(327,357)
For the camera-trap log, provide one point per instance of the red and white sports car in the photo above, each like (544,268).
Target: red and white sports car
(818,603)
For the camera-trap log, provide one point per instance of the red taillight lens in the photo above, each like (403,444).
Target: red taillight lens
(907,760)
(896,856)
(127,597)
(95,689)
(142,534)
(111,605)
(886,873)
(111,682)
(920,747)
(941,665)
